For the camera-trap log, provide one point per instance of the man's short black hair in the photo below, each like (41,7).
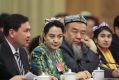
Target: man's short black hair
(3,17)
(116,21)
(14,21)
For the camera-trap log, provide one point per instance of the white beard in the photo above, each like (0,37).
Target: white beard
(77,52)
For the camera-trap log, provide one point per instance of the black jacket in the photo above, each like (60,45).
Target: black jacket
(114,48)
(89,61)
(8,65)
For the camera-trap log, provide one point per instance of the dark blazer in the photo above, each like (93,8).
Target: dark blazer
(89,61)
(8,65)
(115,47)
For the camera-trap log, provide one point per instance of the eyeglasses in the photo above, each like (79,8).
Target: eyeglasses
(103,24)
(74,18)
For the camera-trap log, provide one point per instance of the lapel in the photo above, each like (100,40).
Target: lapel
(24,59)
(67,47)
(23,56)
(10,60)
(84,48)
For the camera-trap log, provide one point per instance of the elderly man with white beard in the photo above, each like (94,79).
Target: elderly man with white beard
(79,51)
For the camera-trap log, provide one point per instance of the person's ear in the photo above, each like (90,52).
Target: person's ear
(11,32)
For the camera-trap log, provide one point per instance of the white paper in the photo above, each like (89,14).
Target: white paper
(30,76)
(90,79)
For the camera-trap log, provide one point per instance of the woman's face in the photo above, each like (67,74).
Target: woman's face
(104,39)
(53,39)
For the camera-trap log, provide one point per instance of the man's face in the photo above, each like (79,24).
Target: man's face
(117,31)
(75,31)
(22,36)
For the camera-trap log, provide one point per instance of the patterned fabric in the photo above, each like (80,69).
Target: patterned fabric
(43,61)
(107,59)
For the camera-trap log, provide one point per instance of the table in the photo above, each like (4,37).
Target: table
(111,79)
(107,79)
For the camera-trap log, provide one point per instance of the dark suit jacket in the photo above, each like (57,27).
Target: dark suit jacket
(8,65)
(115,47)
(89,61)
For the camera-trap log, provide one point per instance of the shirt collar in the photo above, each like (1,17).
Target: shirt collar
(12,48)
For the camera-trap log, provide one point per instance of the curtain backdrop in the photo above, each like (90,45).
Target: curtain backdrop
(36,10)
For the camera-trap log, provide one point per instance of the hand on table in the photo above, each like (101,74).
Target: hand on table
(18,77)
(115,73)
(53,78)
(83,75)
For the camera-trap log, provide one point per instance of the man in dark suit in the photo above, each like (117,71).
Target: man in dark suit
(115,40)
(17,36)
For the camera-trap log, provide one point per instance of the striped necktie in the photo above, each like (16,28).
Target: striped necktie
(19,63)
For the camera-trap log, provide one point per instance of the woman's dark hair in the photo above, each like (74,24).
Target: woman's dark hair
(50,24)
(97,31)
(55,23)
(34,42)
